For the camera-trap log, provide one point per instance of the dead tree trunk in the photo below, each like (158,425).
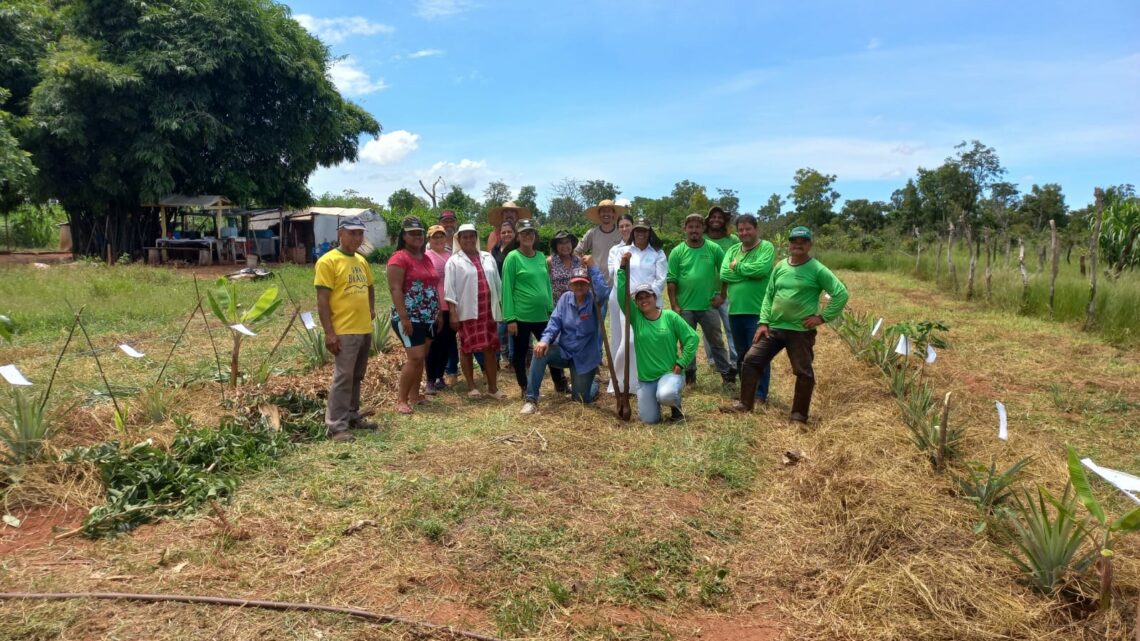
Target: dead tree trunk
(1024,276)
(950,271)
(1094,241)
(1056,264)
(432,192)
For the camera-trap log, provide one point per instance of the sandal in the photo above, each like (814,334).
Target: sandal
(422,400)
(474,394)
(403,408)
(498,395)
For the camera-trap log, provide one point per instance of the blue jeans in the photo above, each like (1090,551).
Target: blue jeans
(651,395)
(743,329)
(506,347)
(583,386)
(734,353)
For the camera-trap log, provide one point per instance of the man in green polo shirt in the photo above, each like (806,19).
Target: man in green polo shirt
(788,319)
(717,231)
(694,292)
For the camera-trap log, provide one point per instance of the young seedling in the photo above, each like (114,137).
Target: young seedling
(988,489)
(1130,522)
(224,304)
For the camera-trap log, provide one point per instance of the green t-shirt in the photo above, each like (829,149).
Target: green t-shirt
(527,294)
(724,242)
(793,295)
(696,271)
(655,341)
(748,280)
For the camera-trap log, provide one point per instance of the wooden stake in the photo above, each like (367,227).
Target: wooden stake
(1056,264)
(973,248)
(1024,275)
(1094,242)
(989,265)
(950,271)
(942,429)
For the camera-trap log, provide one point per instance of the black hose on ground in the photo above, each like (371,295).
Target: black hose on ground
(248,603)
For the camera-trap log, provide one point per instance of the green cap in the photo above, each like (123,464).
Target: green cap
(800,232)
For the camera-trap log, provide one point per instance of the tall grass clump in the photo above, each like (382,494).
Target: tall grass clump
(26,427)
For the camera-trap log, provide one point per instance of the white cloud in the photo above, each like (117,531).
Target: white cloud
(432,9)
(875,43)
(335,30)
(390,148)
(351,80)
(468,174)
(426,53)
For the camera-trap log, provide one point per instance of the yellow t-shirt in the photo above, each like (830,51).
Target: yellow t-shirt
(347,277)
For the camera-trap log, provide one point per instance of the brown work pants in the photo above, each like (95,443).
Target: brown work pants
(343,407)
(801,353)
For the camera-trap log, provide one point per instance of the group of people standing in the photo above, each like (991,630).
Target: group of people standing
(453,303)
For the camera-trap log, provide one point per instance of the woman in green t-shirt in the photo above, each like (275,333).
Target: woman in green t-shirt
(656,333)
(527,295)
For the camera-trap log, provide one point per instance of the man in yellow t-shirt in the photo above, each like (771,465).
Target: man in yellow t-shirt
(346,303)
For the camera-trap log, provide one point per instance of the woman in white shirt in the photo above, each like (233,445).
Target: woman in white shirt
(473,291)
(647,264)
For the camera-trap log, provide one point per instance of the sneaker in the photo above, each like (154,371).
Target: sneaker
(796,417)
(528,408)
(728,379)
(675,414)
(430,389)
(440,384)
(690,378)
(342,437)
(734,408)
(364,424)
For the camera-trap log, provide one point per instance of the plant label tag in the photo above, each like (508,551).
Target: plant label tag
(1120,480)
(875,329)
(130,351)
(1003,431)
(13,375)
(930,354)
(903,348)
(242,329)
(307,319)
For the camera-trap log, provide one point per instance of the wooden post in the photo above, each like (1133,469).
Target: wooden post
(1056,264)
(1094,242)
(943,428)
(972,247)
(989,265)
(917,251)
(938,261)
(1024,275)
(1041,259)
(950,271)
(1008,249)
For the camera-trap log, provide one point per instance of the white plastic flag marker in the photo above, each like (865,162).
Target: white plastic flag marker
(930,354)
(1003,431)
(242,329)
(875,329)
(13,375)
(903,348)
(307,319)
(130,351)
(1120,480)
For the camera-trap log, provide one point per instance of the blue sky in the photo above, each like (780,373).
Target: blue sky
(732,94)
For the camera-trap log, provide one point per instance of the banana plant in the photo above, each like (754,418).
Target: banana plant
(224,303)
(1129,522)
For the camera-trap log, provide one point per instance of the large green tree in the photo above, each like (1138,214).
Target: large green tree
(141,99)
(814,197)
(595,191)
(458,201)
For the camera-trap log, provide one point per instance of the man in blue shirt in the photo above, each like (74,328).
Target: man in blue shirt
(572,338)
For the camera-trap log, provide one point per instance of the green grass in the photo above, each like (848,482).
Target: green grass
(1116,300)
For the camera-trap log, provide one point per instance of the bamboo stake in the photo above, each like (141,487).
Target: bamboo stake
(1056,264)
(176,341)
(1094,241)
(99,366)
(59,359)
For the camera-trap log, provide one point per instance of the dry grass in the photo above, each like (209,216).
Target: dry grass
(571,524)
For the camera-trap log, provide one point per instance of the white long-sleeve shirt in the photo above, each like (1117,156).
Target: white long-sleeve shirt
(647,265)
(461,285)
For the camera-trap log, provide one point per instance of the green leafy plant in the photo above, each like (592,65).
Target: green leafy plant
(144,482)
(313,347)
(224,303)
(1048,537)
(988,489)
(380,328)
(27,427)
(1129,522)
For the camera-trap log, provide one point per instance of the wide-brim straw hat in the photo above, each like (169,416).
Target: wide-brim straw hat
(495,214)
(592,213)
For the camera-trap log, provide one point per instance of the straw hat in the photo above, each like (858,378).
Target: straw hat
(592,213)
(495,214)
